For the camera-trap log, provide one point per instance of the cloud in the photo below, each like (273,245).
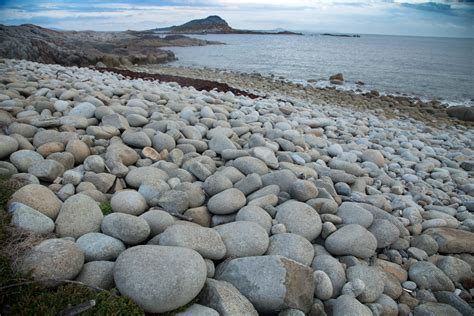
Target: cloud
(412,17)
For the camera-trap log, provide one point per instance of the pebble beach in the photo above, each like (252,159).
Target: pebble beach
(297,202)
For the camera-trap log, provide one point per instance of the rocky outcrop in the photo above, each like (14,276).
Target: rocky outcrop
(86,48)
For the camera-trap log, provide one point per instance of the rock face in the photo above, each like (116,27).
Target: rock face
(160,278)
(53,259)
(285,283)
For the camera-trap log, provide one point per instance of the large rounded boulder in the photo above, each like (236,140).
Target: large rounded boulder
(160,278)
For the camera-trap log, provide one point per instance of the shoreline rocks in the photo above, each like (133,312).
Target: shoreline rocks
(249,205)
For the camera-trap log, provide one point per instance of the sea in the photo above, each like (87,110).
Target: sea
(424,67)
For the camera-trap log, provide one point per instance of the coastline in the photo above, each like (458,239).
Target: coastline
(431,112)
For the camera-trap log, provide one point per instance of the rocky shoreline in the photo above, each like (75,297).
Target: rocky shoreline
(431,112)
(302,202)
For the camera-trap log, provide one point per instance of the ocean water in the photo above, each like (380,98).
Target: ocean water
(425,67)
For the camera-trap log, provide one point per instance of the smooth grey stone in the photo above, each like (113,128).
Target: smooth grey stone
(46,170)
(153,191)
(174,201)
(293,247)
(283,178)
(196,195)
(249,165)
(455,268)
(299,218)
(8,145)
(206,241)
(100,247)
(323,289)
(285,283)
(98,274)
(64,255)
(225,298)
(333,268)
(243,239)
(136,139)
(148,175)
(220,142)
(130,229)
(198,310)
(426,243)
(226,202)
(160,278)
(353,240)
(84,109)
(351,213)
(455,301)
(27,218)
(78,215)
(249,184)
(128,202)
(163,141)
(158,220)
(303,190)
(266,155)
(373,279)
(427,276)
(38,197)
(24,159)
(385,232)
(435,309)
(255,214)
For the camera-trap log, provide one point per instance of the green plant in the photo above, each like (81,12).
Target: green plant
(105,207)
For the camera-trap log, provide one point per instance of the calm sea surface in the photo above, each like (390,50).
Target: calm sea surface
(426,67)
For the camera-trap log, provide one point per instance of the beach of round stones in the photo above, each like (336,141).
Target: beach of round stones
(249,205)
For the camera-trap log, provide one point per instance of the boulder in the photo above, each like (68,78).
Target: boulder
(291,246)
(128,228)
(38,197)
(299,218)
(464,113)
(243,239)
(99,247)
(160,278)
(352,240)
(271,283)
(53,259)
(226,202)
(98,274)
(427,276)
(128,202)
(452,240)
(28,218)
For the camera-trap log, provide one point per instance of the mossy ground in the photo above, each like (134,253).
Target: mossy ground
(106,208)
(18,297)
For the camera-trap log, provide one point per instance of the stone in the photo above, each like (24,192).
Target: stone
(299,218)
(226,202)
(427,276)
(8,145)
(160,278)
(225,298)
(78,149)
(24,159)
(249,165)
(255,214)
(128,202)
(216,183)
(249,184)
(464,113)
(38,197)
(456,269)
(266,155)
(99,274)
(174,201)
(351,213)
(128,228)
(148,175)
(47,170)
(348,305)
(28,218)
(220,142)
(353,240)
(455,301)
(198,310)
(158,220)
(374,156)
(162,141)
(452,240)
(435,309)
(285,283)
(334,270)
(84,109)
(385,232)
(373,279)
(100,247)
(243,239)
(323,289)
(283,178)
(78,215)
(303,190)
(389,306)
(293,247)
(426,243)
(64,255)
(206,241)
(335,150)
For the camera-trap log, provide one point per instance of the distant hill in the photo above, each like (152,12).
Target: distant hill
(213,25)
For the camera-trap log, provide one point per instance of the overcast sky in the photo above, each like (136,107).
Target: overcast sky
(397,17)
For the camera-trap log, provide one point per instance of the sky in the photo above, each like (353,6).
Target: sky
(394,17)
